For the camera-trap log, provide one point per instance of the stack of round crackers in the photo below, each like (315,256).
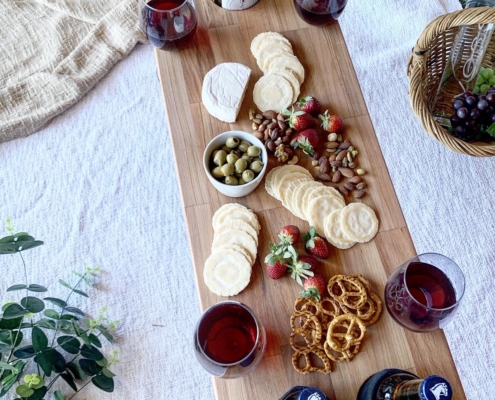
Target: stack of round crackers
(280,85)
(227,270)
(333,328)
(322,206)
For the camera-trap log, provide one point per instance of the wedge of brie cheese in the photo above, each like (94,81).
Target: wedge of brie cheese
(223,90)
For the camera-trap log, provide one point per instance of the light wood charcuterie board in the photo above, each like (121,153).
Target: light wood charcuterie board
(224,36)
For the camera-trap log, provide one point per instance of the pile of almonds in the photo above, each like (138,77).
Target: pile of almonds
(270,127)
(339,167)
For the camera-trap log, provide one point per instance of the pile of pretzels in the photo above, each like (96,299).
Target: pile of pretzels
(333,328)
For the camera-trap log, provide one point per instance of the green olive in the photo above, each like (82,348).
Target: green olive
(232,158)
(241,181)
(227,169)
(238,174)
(253,159)
(244,145)
(231,180)
(256,166)
(219,158)
(248,175)
(247,158)
(214,153)
(232,142)
(253,151)
(217,172)
(236,152)
(240,165)
(226,149)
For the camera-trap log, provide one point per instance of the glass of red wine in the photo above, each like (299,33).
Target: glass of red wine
(320,12)
(229,340)
(168,24)
(424,293)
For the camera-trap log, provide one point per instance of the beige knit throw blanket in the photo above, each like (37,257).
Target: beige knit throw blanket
(53,51)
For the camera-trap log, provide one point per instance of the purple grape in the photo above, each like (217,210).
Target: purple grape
(455,121)
(467,94)
(490,97)
(491,119)
(470,101)
(475,113)
(462,112)
(482,105)
(460,130)
(458,104)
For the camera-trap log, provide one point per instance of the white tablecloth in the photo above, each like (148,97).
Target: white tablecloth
(98,186)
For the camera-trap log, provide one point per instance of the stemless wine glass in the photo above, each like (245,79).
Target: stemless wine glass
(168,24)
(320,12)
(424,293)
(229,340)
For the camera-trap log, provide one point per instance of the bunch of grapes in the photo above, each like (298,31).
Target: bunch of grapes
(473,114)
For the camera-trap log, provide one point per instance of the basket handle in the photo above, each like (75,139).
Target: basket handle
(469,16)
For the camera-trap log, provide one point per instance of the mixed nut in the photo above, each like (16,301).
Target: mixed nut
(237,162)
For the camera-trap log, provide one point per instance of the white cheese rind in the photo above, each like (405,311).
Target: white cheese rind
(223,90)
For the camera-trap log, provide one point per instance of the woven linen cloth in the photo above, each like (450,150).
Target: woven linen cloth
(53,51)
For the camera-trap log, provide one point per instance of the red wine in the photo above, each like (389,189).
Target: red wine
(421,300)
(429,286)
(319,12)
(228,334)
(170,29)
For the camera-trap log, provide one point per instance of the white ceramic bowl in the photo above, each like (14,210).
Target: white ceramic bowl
(237,190)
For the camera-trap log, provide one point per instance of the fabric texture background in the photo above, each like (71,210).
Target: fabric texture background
(53,51)
(98,185)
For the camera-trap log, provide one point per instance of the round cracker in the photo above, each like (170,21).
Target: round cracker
(238,224)
(313,193)
(333,231)
(292,78)
(260,38)
(269,49)
(226,272)
(285,182)
(231,213)
(285,169)
(296,200)
(220,210)
(268,180)
(272,92)
(359,222)
(289,61)
(237,237)
(319,208)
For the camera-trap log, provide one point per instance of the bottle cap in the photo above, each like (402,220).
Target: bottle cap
(435,387)
(312,393)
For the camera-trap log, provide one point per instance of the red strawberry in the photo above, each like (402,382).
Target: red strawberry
(312,261)
(298,269)
(310,105)
(299,120)
(308,140)
(314,286)
(331,123)
(316,245)
(289,234)
(276,265)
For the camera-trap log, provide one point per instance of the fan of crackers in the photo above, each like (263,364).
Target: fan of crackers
(333,328)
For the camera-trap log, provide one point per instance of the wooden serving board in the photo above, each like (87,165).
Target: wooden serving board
(224,36)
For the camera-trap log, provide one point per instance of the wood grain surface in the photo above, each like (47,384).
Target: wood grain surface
(224,36)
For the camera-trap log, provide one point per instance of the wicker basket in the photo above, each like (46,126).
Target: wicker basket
(426,65)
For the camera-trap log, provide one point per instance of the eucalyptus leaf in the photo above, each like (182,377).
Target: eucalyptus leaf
(47,323)
(69,344)
(12,323)
(36,288)
(50,360)
(11,338)
(50,313)
(107,373)
(76,371)
(64,283)
(23,237)
(14,310)
(25,352)
(94,340)
(7,366)
(91,353)
(33,304)
(67,378)
(89,367)
(39,339)
(69,317)
(105,333)
(84,337)
(57,395)
(57,302)
(74,310)
(103,382)
(103,362)
(16,287)
(8,248)
(80,292)
(24,391)
(38,393)
(30,244)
